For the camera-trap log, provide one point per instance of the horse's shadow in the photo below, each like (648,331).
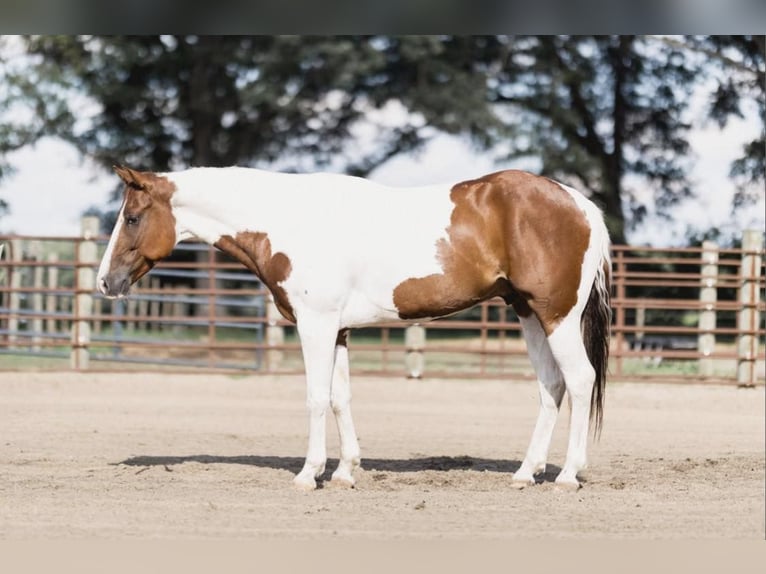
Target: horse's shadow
(394,465)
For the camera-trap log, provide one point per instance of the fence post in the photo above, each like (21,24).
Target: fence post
(154,306)
(85,283)
(50,299)
(415,342)
(747,321)
(14,299)
(35,251)
(275,335)
(619,324)
(708,298)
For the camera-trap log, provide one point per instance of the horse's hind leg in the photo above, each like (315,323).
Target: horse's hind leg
(551,388)
(568,349)
(340,400)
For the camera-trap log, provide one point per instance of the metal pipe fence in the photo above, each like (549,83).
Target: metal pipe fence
(693,315)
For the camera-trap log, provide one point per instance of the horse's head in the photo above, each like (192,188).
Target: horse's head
(145,232)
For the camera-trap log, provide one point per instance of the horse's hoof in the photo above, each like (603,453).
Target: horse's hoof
(304,483)
(342,478)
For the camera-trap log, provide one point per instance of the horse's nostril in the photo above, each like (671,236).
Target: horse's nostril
(124,286)
(114,285)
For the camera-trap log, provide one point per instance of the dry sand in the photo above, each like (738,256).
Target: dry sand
(136,456)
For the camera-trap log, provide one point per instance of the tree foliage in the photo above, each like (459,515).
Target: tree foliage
(608,114)
(29,108)
(741,65)
(599,109)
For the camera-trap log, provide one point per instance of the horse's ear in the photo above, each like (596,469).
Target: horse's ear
(132,177)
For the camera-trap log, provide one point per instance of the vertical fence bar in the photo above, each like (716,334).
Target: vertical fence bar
(50,299)
(118,333)
(619,339)
(708,298)
(211,312)
(143,308)
(415,342)
(4,280)
(37,295)
(747,321)
(483,337)
(130,313)
(14,299)
(385,337)
(501,338)
(85,283)
(154,306)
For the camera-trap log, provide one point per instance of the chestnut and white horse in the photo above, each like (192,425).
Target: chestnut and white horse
(339,252)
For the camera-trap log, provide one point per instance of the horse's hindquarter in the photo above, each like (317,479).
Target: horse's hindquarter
(511,234)
(547,234)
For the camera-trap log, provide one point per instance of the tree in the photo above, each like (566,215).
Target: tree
(28,109)
(741,65)
(171,101)
(165,102)
(608,114)
(601,112)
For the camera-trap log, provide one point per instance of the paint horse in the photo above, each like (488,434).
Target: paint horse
(339,252)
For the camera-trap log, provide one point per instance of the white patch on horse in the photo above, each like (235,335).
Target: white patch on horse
(361,238)
(106,259)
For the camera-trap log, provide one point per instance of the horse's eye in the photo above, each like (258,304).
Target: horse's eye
(131,219)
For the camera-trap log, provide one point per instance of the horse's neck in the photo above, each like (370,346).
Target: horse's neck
(211,203)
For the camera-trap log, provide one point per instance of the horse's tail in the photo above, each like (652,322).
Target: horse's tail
(595,324)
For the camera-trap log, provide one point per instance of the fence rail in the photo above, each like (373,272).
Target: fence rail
(692,314)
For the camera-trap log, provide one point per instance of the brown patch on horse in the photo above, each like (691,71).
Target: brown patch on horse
(148,231)
(253,250)
(511,234)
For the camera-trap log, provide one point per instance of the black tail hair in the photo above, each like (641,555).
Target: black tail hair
(596,323)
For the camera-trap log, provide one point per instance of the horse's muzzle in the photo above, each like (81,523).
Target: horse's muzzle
(114,285)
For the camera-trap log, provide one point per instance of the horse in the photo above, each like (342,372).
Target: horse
(338,252)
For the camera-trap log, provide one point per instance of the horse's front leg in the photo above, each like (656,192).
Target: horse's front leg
(318,332)
(340,400)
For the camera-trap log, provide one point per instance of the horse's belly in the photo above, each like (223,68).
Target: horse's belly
(361,309)
(361,281)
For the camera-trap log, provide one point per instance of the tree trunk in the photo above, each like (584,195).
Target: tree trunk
(612,202)
(620,54)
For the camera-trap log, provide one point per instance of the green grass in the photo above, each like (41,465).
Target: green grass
(458,354)
(666,367)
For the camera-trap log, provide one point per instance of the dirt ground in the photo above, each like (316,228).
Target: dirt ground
(137,456)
